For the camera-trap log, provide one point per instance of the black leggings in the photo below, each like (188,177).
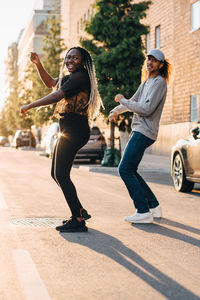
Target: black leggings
(74,134)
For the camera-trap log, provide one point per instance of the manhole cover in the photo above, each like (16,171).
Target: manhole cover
(37,222)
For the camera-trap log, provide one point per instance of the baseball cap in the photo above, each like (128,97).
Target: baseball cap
(158,54)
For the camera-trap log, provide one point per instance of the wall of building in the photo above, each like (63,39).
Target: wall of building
(160,14)
(186,61)
(25,46)
(74,13)
(182,47)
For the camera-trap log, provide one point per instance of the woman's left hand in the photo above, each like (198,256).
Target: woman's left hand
(119,97)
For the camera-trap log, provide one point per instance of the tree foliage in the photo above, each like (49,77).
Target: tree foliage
(115,43)
(9,114)
(30,89)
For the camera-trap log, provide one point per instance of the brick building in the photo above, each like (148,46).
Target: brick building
(175,29)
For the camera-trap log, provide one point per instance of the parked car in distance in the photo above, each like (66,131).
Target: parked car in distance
(93,150)
(185,162)
(50,139)
(24,138)
(3,141)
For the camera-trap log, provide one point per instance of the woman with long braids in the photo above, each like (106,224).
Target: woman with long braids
(78,103)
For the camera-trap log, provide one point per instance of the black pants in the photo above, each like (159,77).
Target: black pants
(74,134)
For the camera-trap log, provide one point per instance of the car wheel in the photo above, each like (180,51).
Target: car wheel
(181,184)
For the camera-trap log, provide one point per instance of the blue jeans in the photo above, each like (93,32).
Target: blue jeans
(139,191)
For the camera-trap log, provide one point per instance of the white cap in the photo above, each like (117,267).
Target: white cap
(158,54)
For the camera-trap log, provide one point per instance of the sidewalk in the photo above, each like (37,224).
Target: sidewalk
(149,163)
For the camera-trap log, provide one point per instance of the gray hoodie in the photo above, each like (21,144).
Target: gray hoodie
(147,105)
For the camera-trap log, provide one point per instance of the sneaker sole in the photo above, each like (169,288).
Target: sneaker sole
(156,215)
(148,220)
(84,229)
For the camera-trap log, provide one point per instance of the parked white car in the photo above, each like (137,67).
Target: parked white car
(51,139)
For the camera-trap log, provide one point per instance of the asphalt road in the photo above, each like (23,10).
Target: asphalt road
(113,260)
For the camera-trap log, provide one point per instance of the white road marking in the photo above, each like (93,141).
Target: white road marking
(3,204)
(33,285)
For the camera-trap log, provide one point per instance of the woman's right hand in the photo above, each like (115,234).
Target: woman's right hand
(25,108)
(113,117)
(34,58)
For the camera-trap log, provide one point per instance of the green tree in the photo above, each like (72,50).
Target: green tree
(4,130)
(31,89)
(115,43)
(10,111)
(27,94)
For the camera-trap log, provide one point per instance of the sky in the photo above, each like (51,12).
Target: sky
(14,16)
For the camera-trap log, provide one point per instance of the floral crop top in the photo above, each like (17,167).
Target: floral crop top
(76,88)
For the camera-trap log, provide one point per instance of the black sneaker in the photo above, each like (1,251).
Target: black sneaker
(73,225)
(84,215)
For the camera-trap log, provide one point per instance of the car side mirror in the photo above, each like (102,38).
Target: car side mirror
(195,132)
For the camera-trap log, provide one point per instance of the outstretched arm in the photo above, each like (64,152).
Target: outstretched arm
(46,100)
(149,104)
(116,111)
(46,78)
(122,108)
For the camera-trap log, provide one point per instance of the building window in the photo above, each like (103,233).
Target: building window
(194,108)
(157,37)
(195,16)
(148,47)
(41,28)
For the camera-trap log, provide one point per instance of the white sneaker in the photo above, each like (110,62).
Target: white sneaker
(156,212)
(140,218)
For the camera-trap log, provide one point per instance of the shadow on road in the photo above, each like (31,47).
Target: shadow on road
(178,225)
(157,177)
(195,191)
(114,249)
(157,228)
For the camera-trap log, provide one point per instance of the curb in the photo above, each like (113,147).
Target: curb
(114,170)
